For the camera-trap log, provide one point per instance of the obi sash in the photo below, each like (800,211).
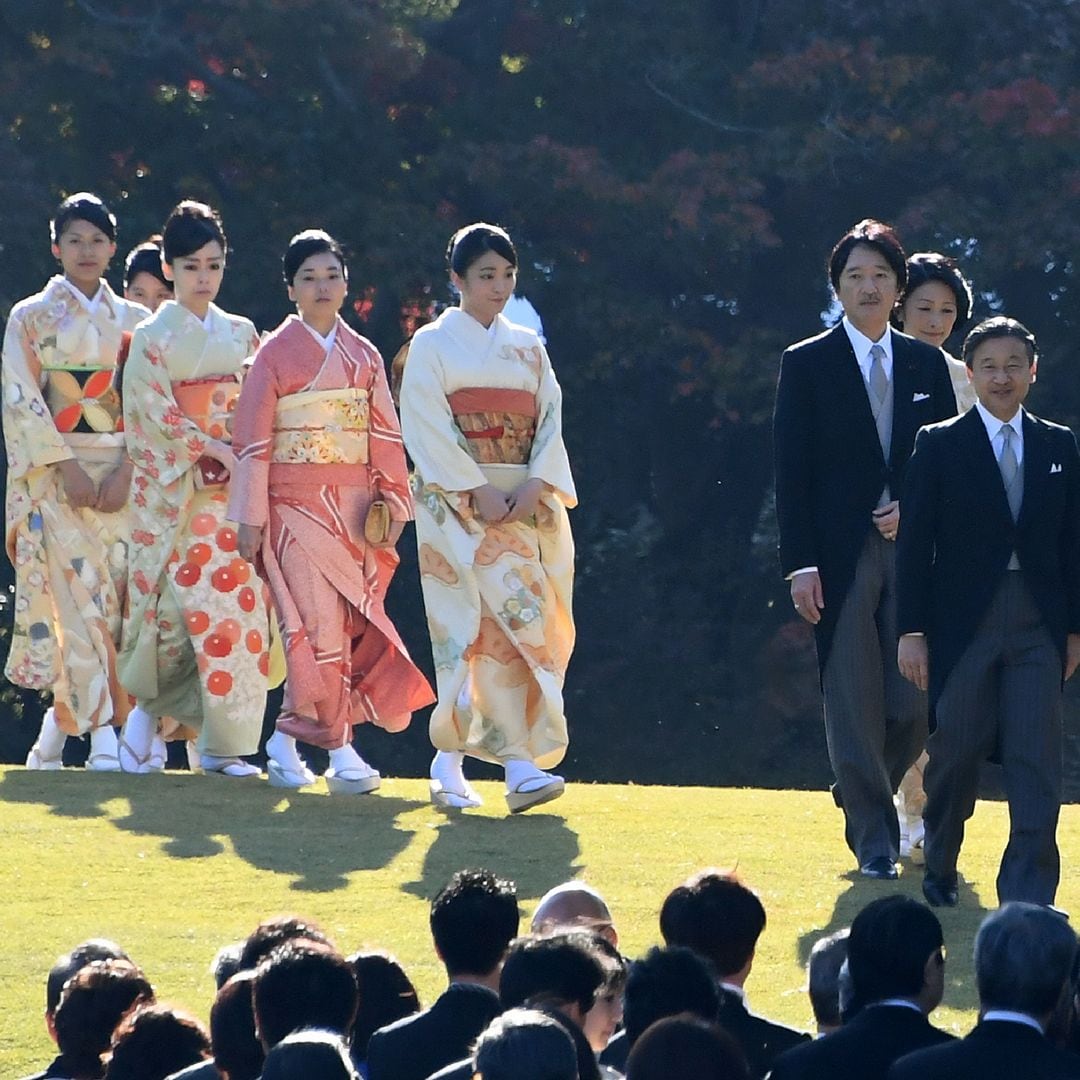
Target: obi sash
(499,425)
(83,400)
(209,403)
(322,427)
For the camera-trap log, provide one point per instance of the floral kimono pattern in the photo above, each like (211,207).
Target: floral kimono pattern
(59,404)
(483,406)
(317,439)
(196,646)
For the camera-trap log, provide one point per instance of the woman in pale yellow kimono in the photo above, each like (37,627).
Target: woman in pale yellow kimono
(936,300)
(481,419)
(197,639)
(67,488)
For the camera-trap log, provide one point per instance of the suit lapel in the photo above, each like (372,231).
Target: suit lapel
(852,402)
(1036,467)
(982,465)
(903,392)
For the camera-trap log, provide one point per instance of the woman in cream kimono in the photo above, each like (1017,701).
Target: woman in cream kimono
(481,418)
(937,299)
(67,488)
(317,443)
(197,639)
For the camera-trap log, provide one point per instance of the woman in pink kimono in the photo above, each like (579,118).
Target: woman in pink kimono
(67,488)
(196,646)
(317,443)
(481,414)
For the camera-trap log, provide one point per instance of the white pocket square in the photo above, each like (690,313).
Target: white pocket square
(1055,468)
(919,397)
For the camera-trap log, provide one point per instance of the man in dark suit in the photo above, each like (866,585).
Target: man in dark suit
(989,584)
(473,920)
(897,967)
(848,404)
(1023,957)
(718,917)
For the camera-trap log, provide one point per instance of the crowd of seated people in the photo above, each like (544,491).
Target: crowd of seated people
(561,1003)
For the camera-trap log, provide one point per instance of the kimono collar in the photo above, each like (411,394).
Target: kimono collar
(89,304)
(469,331)
(326,342)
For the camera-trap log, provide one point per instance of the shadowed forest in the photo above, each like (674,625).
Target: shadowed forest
(673,175)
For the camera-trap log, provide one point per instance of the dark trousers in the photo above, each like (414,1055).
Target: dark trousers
(875,720)
(1004,694)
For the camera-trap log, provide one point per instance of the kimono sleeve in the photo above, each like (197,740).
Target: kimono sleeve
(252,437)
(432,438)
(389,472)
(162,442)
(30,434)
(548,460)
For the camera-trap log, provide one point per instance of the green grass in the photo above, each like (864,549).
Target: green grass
(173,866)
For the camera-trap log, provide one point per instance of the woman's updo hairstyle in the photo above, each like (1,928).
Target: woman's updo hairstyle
(191,226)
(926,266)
(82,206)
(145,259)
(470,242)
(305,244)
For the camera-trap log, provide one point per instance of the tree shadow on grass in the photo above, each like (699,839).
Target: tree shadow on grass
(958,925)
(535,851)
(316,840)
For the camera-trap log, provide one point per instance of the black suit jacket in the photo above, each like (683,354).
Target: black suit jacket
(416,1046)
(761,1040)
(863,1049)
(995,1050)
(956,534)
(829,466)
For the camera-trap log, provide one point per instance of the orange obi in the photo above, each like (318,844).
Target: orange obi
(209,403)
(499,425)
(322,427)
(83,399)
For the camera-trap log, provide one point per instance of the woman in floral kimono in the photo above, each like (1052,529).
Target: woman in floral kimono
(67,488)
(317,443)
(481,418)
(196,643)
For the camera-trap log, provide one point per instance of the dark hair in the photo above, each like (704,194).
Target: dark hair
(890,941)
(926,266)
(82,206)
(702,1050)
(145,259)
(1024,955)
(717,916)
(473,919)
(469,243)
(560,969)
(303,984)
(386,995)
(94,1001)
(666,982)
(237,1050)
(226,963)
(525,1044)
(612,961)
(874,234)
(155,1041)
(1000,326)
(271,933)
(305,244)
(309,1053)
(191,226)
(823,976)
(68,964)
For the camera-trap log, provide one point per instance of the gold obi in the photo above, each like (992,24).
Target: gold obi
(209,403)
(82,399)
(499,425)
(322,427)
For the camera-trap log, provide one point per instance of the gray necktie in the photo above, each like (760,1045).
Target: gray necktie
(1010,470)
(879,381)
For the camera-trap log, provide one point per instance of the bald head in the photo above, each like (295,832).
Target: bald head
(574,904)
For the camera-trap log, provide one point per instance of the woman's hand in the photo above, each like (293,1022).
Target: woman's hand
(222,452)
(78,487)
(523,500)
(114,489)
(490,503)
(249,541)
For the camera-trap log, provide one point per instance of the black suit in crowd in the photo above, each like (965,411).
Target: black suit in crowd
(996,637)
(417,1046)
(864,1048)
(831,472)
(994,1050)
(761,1040)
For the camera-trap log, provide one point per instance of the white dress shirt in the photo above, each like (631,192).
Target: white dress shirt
(993,431)
(1013,1018)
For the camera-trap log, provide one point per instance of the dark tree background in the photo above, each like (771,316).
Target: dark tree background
(673,174)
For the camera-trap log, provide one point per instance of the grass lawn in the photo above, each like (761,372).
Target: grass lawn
(173,866)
